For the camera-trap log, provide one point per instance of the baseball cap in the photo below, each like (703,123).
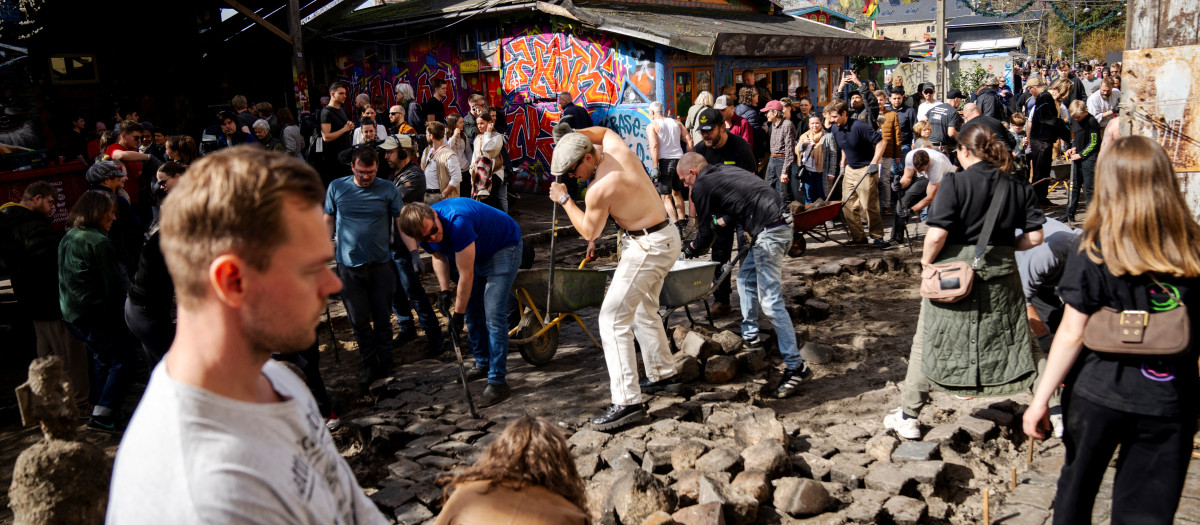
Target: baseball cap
(926,86)
(389,143)
(722,102)
(102,171)
(709,119)
(954,93)
(774,104)
(568,151)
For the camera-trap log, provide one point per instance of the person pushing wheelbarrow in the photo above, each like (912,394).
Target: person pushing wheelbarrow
(729,193)
(621,188)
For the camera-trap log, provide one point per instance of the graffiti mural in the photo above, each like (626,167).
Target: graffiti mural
(598,72)
(422,63)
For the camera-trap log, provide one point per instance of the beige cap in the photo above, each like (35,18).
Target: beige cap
(567,152)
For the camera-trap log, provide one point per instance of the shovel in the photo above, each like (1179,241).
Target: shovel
(462,370)
(553,236)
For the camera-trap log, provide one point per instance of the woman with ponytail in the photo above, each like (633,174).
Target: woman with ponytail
(980,345)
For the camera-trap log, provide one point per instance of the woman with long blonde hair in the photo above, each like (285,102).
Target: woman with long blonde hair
(1140,251)
(526,476)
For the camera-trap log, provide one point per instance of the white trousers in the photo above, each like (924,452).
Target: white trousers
(630,310)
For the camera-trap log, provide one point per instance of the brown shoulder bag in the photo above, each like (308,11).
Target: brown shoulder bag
(951,282)
(1138,332)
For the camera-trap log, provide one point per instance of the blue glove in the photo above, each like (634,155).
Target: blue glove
(654,174)
(417,264)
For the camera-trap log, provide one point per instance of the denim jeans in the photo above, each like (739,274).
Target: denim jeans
(722,250)
(367,293)
(409,296)
(487,311)
(760,286)
(814,186)
(774,171)
(795,186)
(113,358)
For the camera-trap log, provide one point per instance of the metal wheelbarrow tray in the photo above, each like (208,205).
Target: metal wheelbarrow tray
(574,290)
(813,221)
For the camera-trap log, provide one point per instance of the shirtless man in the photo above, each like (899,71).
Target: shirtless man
(620,188)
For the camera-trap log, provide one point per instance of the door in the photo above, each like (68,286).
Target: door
(684,94)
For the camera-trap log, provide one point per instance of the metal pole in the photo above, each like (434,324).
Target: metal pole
(1074,25)
(298,65)
(553,237)
(940,48)
(1038,43)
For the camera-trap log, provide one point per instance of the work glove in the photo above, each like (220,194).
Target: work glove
(896,185)
(873,168)
(417,264)
(445,302)
(457,322)
(902,212)
(654,174)
(689,250)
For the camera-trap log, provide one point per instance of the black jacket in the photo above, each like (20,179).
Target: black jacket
(990,105)
(29,247)
(734,194)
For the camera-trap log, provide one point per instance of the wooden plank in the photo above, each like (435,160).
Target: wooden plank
(1178,23)
(1141,29)
(259,20)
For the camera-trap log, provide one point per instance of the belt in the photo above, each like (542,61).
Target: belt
(774,156)
(776,224)
(652,229)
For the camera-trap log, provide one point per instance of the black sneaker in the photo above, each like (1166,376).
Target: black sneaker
(406,334)
(860,242)
(618,416)
(109,424)
(880,243)
(492,394)
(757,342)
(791,380)
(476,373)
(651,387)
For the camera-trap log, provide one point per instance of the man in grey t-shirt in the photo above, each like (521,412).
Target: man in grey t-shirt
(224,434)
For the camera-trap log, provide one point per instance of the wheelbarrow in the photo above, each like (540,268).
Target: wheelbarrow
(815,221)
(536,335)
(690,281)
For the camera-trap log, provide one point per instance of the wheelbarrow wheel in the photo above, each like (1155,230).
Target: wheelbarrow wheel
(798,245)
(540,351)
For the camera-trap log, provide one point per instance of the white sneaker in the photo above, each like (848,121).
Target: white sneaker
(1056,421)
(905,428)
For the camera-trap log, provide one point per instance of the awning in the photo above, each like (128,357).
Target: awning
(732,33)
(988,45)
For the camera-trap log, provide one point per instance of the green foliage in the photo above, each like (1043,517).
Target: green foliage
(969,80)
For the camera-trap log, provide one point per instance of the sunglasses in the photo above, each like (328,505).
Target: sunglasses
(429,237)
(394,113)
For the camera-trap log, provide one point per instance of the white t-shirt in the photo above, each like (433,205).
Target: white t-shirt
(357,137)
(939,164)
(192,456)
(923,109)
(431,176)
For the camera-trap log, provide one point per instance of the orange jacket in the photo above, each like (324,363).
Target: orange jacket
(890,129)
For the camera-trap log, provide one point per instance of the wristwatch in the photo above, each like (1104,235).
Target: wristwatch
(562,201)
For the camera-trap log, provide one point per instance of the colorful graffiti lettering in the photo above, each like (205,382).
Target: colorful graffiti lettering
(424,63)
(631,125)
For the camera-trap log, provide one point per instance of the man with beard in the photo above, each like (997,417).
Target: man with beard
(224,433)
(620,188)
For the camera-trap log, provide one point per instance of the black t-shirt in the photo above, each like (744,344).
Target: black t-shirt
(1150,386)
(337,119)
(962,200)
(998,128)
(942,117)
(735,152)
(435,107)
(857,141)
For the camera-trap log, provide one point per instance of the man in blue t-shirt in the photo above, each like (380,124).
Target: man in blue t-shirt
(485,246)
(358,208)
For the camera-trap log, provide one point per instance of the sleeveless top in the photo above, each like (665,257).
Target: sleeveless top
(668,139)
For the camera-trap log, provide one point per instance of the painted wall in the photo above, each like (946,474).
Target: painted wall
(608,76)
(914,73)
(362,72)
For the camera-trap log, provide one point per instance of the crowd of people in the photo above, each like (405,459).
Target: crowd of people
(204,263)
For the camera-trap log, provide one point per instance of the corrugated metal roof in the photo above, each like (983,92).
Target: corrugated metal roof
(979,20)
(737,34)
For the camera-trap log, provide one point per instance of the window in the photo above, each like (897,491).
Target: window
(73,69)
(827,79)
(904,30)
(780,82)
(466,43)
